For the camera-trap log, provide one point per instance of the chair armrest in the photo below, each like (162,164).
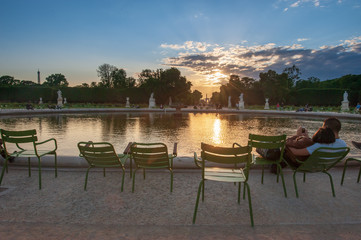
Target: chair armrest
(127,149)
(175,150)
(51,139)
(198,162)
(236,144)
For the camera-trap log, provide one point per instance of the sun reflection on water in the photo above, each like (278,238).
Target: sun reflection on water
(188,129)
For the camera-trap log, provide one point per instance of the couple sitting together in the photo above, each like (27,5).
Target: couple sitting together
(301,146)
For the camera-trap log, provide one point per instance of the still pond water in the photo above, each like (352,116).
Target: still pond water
(188,129)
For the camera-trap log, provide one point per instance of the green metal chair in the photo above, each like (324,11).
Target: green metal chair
(358,146)
(321,160)
(101,155)
(227,156)
(269,142)
(152,156)
(25,143)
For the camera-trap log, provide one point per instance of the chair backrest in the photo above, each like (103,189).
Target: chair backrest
(99,154)
(322,159)
(27,136)
(18,137)
(224,155)
(150,155)
(267,142)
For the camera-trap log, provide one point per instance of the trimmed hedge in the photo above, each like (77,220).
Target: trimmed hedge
(322,96)
(73,95)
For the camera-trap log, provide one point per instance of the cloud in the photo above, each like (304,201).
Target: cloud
(189,45)
(327,62)
(302,39)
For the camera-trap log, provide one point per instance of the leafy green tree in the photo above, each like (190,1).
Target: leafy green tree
(311,82)
(27,83)
(293,74)
(275,86)
(196,97)
(105,72)
(7,80)
(56,80)
(118,78)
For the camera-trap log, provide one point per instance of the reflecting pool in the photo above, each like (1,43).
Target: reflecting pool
(188,129)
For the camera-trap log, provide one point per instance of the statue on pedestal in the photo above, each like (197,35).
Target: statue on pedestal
(127,104)
(41,101)
(266,106)
(229,102)
(345,102)
(60,99)
(151,101)
(241,102)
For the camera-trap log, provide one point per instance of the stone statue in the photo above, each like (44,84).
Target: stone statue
(345,96)
(229,102)
(266,106)
(41,101)
(151,101)
(60,100)
(345,103)
(59,94)
(241,102)
(65,102)
(127,104)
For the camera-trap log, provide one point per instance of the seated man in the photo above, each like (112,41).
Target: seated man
(302,153)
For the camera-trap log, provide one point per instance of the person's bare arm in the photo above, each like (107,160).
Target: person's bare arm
(302,152)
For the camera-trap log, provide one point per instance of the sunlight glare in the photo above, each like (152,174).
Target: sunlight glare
(217,131)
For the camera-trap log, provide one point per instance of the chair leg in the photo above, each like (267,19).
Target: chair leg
(249,203)
(304,177)
(359,173)
(171,180)
(244,191)
(5,166)
(133,175)
(333,189)
(29,167)
(201,185)
(86,178)
(131,167)
(56,165)
(143,173)
(239,192)
(282,178)
(203,191)
(294,182)
(262,174)
(344,171)
(39,165)
(123,178)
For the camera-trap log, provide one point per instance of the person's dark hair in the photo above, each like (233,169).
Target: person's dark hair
(332,123)
(324,135)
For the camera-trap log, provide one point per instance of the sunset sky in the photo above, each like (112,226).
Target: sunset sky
(206,40)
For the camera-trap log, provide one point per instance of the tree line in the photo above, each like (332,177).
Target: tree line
(165,84)
(286,87)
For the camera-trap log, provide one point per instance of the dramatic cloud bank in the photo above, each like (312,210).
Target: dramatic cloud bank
(206,59)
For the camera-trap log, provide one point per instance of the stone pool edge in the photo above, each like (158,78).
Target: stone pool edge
(20,112)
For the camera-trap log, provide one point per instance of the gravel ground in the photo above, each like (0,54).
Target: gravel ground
(63,210)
